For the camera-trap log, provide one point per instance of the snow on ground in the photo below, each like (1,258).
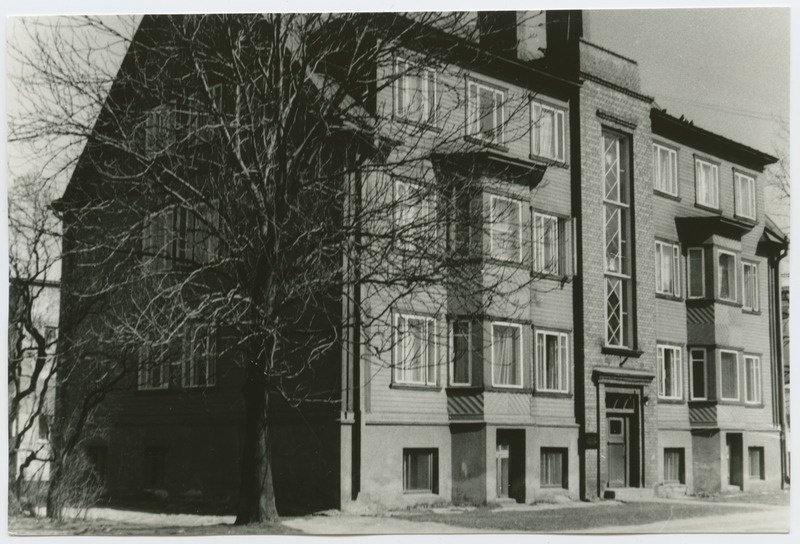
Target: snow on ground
(150,519)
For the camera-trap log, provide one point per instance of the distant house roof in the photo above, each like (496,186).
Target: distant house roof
(684,130)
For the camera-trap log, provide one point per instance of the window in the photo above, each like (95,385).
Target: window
(750,286)
(547,134)
(506,355)
(548,245)
(199,356)
(707,178)
(665,169)
(669,372)
(752,379)
(695,262)
(178,234)
(505,239)
(461,370)
(415,92)
(668,271)
(745,195)
(729,375)
(554,468)
(414,215)
(698,372)
(415,362)
(485,116)
(755,456)
(153,368)
(155,462)
(44,427)
(674,466)
(618,270)
(420,470)
(160,129)
(726,275)
(552,361)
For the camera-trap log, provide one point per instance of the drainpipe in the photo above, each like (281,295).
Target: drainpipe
(778,339)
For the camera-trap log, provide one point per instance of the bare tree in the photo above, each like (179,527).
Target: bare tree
(269,187)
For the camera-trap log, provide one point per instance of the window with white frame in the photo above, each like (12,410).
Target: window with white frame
(153,368)
(506,355)
(729,375)
(697,361)
(554,467)
(415,350)
(755,457)
(707,178)
(505,233)
(617,220)
(547,131)
(665,169)
(415,95)
(669,372)
(181,235)
(668,271)
(485,115)
(752,379)
(546,244)
(750,286)
(696,272)
(199,360)
(674,470)
(552,361)
(414,213)
(726,275)
(461,363)
(745,195)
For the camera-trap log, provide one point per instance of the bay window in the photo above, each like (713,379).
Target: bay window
(696,272)
(505,233)
(752,379)
(546,244)
(729,375)
(461,363)
(698,373)
(750,286)
(726,275)
(506,355)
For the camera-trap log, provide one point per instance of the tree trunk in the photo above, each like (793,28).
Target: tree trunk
(256,493)
(54,505)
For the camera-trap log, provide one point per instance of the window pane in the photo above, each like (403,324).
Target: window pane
(611,166)
(698,374)
(505,229)
(553,464)
(418,470)
(756,462)
(696,279)
(461,354)
(730,375)
(727,276)
(505,345)
(673,465)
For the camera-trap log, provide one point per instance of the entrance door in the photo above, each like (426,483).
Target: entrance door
(510,463)
(617,451)
(734,459)
(503,470)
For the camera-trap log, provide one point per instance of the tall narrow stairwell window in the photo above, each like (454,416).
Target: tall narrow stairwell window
(617,251)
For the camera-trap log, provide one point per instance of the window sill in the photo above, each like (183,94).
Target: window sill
(665,296)
(552,394)
(486,143)
(502,262)
(727,302)
(668,196)
(665,400)
(559,278)
(747,220)
(548,161)
(622,351)
(418,124)
(510,389)
(415,387)
(467,388)
(750,312)
(420,492)
(754,405)
(717,211)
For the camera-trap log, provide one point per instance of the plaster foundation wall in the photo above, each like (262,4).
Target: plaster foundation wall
(707,449)
(382,464)
(469,463)
(770,441)
(675,439)
(551,437)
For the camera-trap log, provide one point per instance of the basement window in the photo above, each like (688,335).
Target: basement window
(420,470)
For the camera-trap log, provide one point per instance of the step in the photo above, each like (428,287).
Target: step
(629,494)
